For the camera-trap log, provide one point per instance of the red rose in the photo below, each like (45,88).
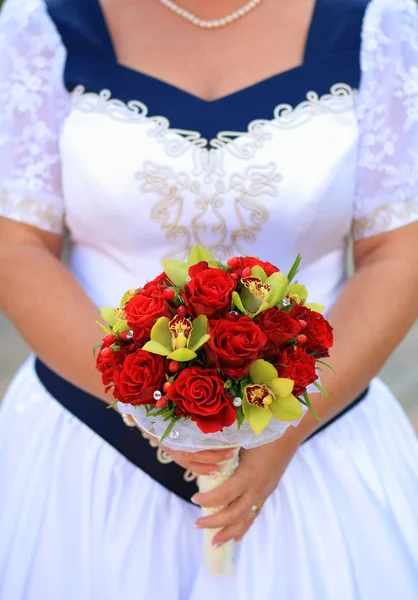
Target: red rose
(143,309)
(200,394)
(279,328)
(238,263)
(235,342)
(318,331)
(160,280)
(209,292)
(141,374)
(107,362)
(296,364)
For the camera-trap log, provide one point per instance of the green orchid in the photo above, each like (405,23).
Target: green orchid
(178,338)
(178,271)
(298,294)
(116,317)
(269,395)
(260,292)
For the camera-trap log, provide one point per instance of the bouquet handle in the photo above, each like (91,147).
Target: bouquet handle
(218,561)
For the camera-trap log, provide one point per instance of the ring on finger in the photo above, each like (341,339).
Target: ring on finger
(255,510)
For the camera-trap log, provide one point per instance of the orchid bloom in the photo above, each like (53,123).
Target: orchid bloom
(178,339)
(268,395)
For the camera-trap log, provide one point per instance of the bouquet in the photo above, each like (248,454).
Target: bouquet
(208,355)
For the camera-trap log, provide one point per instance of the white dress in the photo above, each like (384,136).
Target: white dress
(78,520)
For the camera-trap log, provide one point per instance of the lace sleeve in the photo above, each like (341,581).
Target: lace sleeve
(33,103)
(387,107)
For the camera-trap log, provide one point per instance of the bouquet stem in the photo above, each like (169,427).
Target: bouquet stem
(218,561)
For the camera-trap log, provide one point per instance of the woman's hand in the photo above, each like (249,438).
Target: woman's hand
(200,463)
(257,476)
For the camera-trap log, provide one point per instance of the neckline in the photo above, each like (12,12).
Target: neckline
(312,40)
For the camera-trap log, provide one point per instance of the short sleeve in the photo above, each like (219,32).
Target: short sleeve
(387,110)
(33,104)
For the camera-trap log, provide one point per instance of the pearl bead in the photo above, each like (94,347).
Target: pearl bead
(214,24)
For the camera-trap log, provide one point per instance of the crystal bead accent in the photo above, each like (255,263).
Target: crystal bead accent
(174,434)
(285,302)
(130,334)
(237,402)
(212,24)
(157,395)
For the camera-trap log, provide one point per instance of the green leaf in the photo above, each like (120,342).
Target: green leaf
(311,408)
(199,254)
(156,348)
(168,430)
(258,418)
(319,308)
(200,329)
(298,289)
(286,409)
(320,389)
(281,387)
(259,272)
(104,328)
(121,326)
(112,405)
(240,416)
(176,271)
(322,362)
(238,303)
(182,355)
(109,315)
(161,332)
(228,384)
(294,268)
(96,347)
(262,371)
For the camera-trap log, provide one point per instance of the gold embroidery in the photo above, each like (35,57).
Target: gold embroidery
(30,210)
(175,189)
(384,217)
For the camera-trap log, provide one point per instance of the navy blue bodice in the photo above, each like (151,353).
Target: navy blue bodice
(332,55)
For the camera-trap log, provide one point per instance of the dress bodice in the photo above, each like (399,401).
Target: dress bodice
(295,163)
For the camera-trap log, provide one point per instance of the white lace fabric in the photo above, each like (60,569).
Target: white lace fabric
(33,104)
(387,109)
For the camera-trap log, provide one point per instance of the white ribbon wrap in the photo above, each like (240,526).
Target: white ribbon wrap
(218,561)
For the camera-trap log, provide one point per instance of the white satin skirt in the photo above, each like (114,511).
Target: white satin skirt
(80,522)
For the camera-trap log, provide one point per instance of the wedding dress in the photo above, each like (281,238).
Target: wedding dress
(138,170)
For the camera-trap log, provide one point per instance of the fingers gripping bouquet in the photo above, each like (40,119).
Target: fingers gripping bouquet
(208,355)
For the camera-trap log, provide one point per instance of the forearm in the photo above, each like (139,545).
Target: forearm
(374,312)
(52,313)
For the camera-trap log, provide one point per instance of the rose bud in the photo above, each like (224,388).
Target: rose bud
(174,367)
(169,294)
(109,339)
(106,352)
(302,323)
(166,386)
(162,402)
(246,272)
(302,338)
(182,311)
(233,262)
(126,336)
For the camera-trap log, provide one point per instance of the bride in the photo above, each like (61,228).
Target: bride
(143,127)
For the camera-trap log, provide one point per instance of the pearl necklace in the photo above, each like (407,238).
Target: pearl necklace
(216,23)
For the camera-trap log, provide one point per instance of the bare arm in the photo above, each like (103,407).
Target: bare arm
(47,305)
